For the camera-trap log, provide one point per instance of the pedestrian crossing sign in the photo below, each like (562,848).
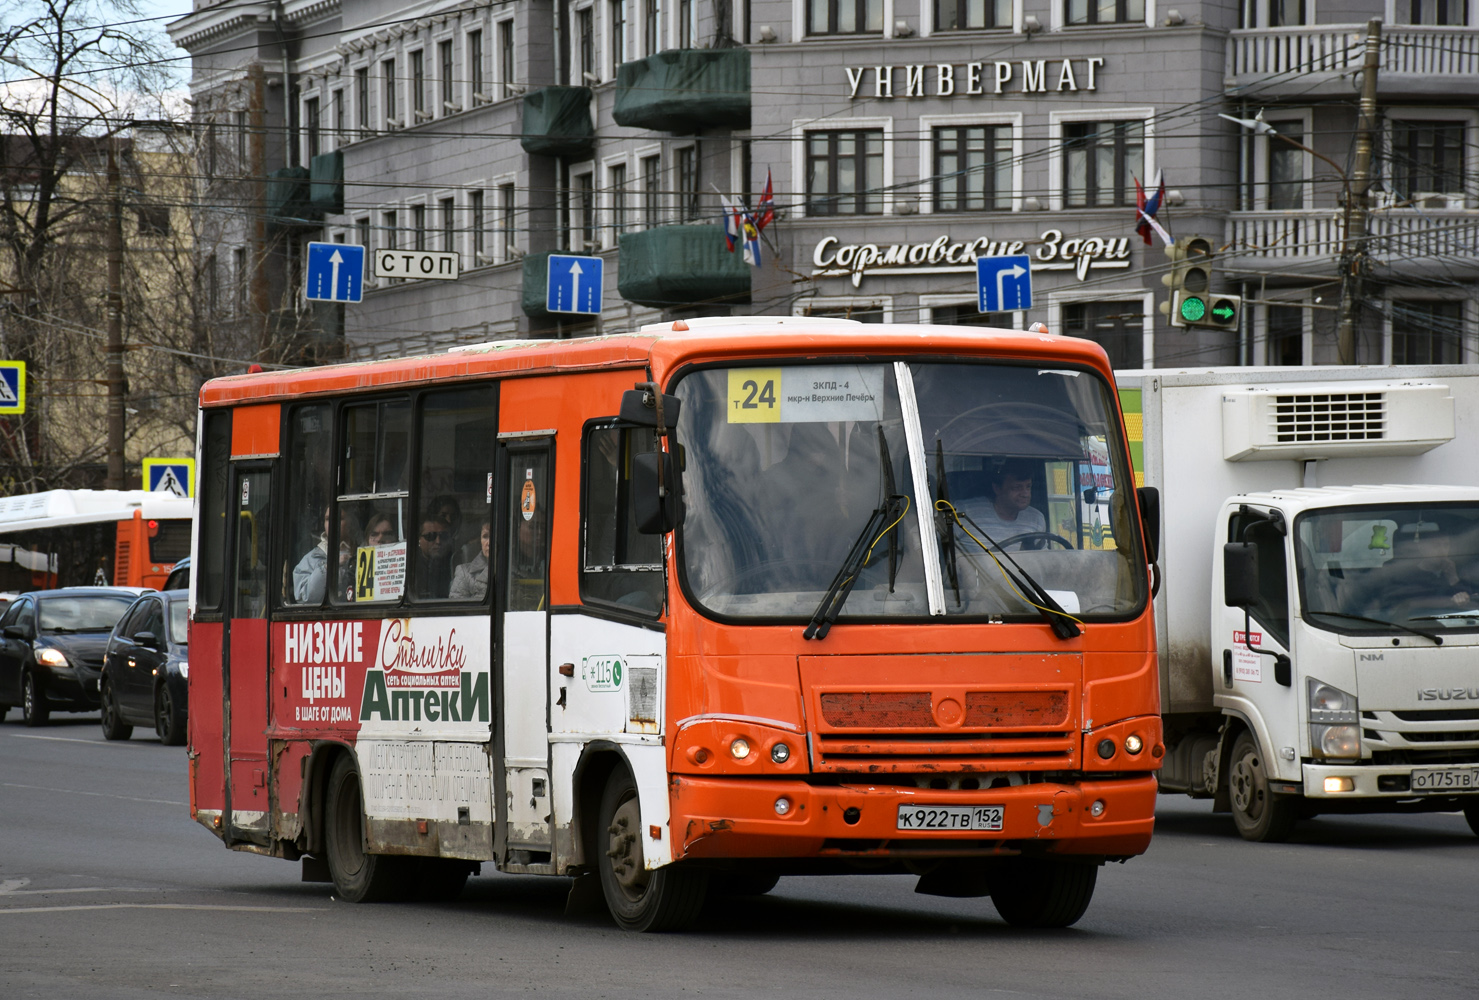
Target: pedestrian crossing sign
(12,387)
(170,475)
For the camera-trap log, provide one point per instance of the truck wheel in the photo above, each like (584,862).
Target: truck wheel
(34,711)
(114,728)
(1042,892)
(640,900)
(169,718)
(1260,814)
(1471,813)
(359,877)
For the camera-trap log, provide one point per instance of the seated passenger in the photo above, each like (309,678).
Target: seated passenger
(433,558)
(1008,512)
(381,530)
(470,580)
(311,573)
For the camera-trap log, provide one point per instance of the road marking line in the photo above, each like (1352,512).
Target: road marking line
(103,795)
(164,906)
(47,892)
(72,739)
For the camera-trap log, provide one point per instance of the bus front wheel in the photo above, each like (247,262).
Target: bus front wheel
(668,898)
(1042,892)
(359,877)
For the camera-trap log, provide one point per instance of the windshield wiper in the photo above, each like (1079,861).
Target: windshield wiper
(1064,625)
(1437,639)
(944,523)
(890,513)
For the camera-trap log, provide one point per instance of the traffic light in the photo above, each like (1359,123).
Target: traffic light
(1192,302)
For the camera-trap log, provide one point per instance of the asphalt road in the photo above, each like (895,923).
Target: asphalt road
(107,889)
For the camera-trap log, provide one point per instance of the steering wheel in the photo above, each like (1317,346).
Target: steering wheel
(1046,535)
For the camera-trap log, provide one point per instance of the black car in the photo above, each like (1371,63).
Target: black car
(51,649)
(179,577)
(146,669)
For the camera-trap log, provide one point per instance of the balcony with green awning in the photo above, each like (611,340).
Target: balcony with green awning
(557,122)
(326,183)
(673,267)
(288,201)
(685,90)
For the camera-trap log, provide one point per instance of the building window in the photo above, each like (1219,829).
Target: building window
(1272,13)
(1427,158)
(844,17)
(387,71)
(449,223)
(1106,11)
(844,173)
(965,15)
(310,126)
(617,181)
(239,281)
(1100,162)
(968,316)
(475,68)
(1454,13)
(688,183)
(1118,327)
(618,21)
(585,36)
(973,168)
(686,29)
(362,231)
(870,312)
(651,191)
(212,287)
(362,100)
(418,227)
(209,153)
(338,101)
(1285,335)
(507,215)
(651,27)
(444,58)
(1286,167)
(418,86)
(239,121)
(580,219)
(476,223)
(506,69)
(388,235)
(1426,332)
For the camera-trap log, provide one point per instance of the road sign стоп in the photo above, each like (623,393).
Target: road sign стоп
(439,265)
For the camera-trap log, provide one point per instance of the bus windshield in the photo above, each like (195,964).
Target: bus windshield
(1390,569)
(1019,469)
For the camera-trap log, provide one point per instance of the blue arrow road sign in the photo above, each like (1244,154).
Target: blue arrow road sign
(336,272)
(573,284)
(1003,283)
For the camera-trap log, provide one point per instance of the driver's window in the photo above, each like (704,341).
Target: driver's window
(132,622)
(1272,609)
(13,613)
(153,620)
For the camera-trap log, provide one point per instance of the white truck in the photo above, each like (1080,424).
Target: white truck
(1318,635)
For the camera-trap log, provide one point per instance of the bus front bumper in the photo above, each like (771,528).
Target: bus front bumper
(740,818)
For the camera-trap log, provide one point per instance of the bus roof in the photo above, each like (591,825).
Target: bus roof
(61,508)
(662,346)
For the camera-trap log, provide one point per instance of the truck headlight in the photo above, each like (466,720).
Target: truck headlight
(1330,705)
(50,657)
(1335,741)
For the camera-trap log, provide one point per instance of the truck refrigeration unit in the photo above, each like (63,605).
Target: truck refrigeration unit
(1318,625)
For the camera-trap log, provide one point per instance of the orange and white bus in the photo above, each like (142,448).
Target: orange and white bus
(75,538)
(680,612)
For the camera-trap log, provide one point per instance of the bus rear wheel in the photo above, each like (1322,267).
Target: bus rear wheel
(1042,892)
(668,898)
(359,877)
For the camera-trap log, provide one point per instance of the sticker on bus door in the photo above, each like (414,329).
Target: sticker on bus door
(527,497)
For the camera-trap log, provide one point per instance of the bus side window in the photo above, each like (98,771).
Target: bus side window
(619,565)
(370,536)
(309,496)
(452,554)
(214,490)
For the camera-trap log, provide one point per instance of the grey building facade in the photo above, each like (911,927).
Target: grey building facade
(904,138)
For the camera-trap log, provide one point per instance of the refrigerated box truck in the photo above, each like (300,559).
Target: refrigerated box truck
(1318,610)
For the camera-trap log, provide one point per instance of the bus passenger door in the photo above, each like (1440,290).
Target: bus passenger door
(245,656)
(522,634)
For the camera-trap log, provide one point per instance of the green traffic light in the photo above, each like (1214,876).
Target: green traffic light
(1223,311)
(1193,309)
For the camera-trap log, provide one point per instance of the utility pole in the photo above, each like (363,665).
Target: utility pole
(116,385)
(1353,258)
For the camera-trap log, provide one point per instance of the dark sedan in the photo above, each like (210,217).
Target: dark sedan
(145,669)
(51,649)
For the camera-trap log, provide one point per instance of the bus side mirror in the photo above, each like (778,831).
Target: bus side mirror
(1150,518)
(639,406)
(658,510)
(1239,575)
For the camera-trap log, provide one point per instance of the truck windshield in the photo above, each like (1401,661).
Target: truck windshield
(785,466)
(1409,565)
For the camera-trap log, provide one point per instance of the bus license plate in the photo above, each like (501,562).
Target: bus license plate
(1436,780)
(951,817)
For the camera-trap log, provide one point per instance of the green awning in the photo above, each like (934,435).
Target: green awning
(536,276)
(684,90)
(557,122)
(288,202)
(326,183)
(674,266)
